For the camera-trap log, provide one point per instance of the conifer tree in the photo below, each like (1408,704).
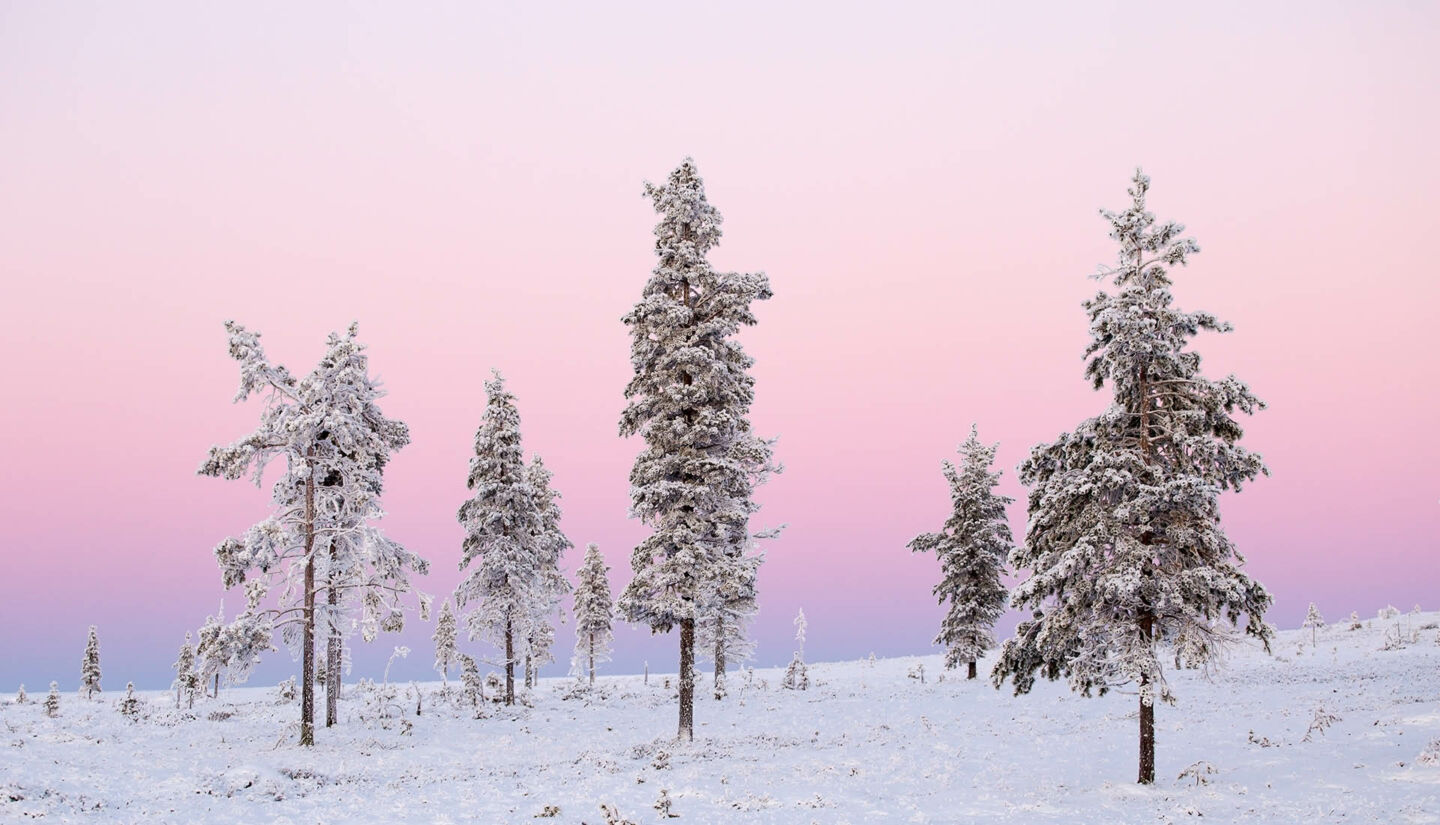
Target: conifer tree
(1124,548)
(1314,621)
(446,653)
(501,523)
(210,652)
(550,546)
(797,675)
(972,549)
(335,443)
(90,667)
(20,697)
(187,680)
(593,610)
(130,704)
(52,701)
(689,400)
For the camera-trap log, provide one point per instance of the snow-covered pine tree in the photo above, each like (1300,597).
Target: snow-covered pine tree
(446,654)
(130,704)
(335,444)
(690,400)
(797,675)
(52,701)
(728,602)
(1314,621)
(593,610)
(1124,547)
(501,523)
(210,650)
(20,697)
(972,549)
(90,667)
(550,546)
(187,680)
(470,681)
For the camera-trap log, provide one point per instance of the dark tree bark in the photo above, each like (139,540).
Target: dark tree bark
(307,644)
(970,674)
(687,680)
(509,662)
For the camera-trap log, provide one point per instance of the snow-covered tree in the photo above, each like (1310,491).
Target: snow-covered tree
(130,704)
(52,701)
(210,650)
(593,610)
(728,603)
(501,523)
(446,654)
(1124,549)
(689,400)
(972,549)
(471,684)
(797,675)
(20,697)
(1314,621)
(550,546)
(187,679)
(90,666)
(335,443)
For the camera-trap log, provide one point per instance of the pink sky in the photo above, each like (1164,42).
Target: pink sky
(920,184)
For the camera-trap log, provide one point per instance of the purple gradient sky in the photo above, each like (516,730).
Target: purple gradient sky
(919,183)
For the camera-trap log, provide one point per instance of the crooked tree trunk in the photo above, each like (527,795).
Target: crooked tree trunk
(687,680)
(509,662)
(307,642)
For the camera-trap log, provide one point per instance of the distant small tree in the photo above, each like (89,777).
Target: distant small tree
(130,705)
(471,683)
(446,654)
(593,610)
(1355,623)
(1314,621)
(187,680)
(20,696)
(52,702)
(797,676)
(90,668)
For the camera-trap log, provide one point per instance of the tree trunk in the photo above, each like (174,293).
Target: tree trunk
(687,680)
(509,662)
(592,660)
(332,651)
(529,672)
(1147,719)
(216,693)
(971,673)
(719,658)
(307,643)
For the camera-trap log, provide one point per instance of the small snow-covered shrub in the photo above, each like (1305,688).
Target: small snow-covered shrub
(1355,623)
(286,691)
(663,803)
(797,676)
(612,815)
(547,812)
(1200,772)
(52,702)
(1431,754)
(1263,741)
(917,672)
(20,697)
(1389,611)
(1319,722)
(129,704)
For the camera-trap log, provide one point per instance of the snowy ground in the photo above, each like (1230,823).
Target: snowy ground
(866,743)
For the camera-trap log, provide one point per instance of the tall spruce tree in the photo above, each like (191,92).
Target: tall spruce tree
(335,443)
(550,546)
(689,400)
(972,549)
(90,666)
(501,523)
(593,610)
(1124,547)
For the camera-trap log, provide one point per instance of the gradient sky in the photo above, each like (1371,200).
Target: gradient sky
(919,182)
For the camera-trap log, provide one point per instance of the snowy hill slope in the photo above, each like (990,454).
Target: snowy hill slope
(867,743)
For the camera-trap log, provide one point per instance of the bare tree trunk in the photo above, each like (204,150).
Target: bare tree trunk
(971,673)
(592,660)
(216,693)
(1147,720)
(687,680)
(509,662)
(332,652)
(307,643)
(529,672)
